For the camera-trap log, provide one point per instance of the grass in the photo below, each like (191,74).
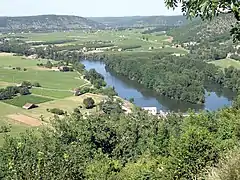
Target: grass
(67,104)
(224,63)
(6,109)
(51,93)
(47,79)
(20,101)
(19,61)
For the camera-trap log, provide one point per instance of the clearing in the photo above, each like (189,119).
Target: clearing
(224,63)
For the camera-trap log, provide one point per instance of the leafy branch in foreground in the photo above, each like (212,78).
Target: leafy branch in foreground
(207,10)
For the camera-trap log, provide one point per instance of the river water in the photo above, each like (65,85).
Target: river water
(216,97)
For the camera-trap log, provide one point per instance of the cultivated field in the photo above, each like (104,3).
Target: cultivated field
(55,86)
(56,89)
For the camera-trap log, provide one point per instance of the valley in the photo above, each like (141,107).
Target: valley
(135,97)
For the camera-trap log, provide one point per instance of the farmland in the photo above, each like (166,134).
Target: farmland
(20,101)
(57,87)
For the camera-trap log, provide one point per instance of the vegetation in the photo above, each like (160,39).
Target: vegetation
(20,101)
(46,23)
(180,78)
(57,111)
(120,146)
(89,103)
(207,11)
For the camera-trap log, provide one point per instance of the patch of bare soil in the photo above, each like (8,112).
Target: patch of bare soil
(25,119)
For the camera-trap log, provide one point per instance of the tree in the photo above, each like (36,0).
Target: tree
(110,106)
(24,91)
(89,103)
(36,84)
(207,10)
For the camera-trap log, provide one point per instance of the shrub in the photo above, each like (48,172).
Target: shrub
(5,129)
(24,91)
(57,111)
(36,84)
(26,84)
(18,68)
(89,103)
(24,69)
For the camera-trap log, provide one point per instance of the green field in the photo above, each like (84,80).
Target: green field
(47,78)
(6,109)
(118,38)
(51,93)
(224,63)
(20,101)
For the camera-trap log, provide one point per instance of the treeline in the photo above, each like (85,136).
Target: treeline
(179,78)
(114,145)
(11,91)
(95,78)
(53,42)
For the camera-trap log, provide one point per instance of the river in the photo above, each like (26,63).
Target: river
(216,97)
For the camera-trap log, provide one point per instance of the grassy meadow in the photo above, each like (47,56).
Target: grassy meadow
(224,63)
(20,101)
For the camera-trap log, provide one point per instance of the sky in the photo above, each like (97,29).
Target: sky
(85,8)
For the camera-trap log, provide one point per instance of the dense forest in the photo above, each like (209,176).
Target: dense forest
(181,78)
(118,146)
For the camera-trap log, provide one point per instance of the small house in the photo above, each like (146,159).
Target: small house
(28,106)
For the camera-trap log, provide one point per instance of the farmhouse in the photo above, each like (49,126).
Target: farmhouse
(28,106)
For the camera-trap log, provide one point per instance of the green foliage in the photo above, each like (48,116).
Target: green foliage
(175,77)
(24,91)
(111,105)
(5,129)
(119,146)
(208,10)
(89,103)
(57,111)
(36,84)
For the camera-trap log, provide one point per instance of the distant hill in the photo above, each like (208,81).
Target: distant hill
(47,22)
(141,21)
(209,31)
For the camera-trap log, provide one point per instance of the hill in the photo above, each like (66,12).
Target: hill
(141,21)
(197,30)
(47,22)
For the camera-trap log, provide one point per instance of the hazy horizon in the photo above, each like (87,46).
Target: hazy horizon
(90,8)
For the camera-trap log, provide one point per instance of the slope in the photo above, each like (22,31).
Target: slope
(141,21)
(197,30)
(47,22)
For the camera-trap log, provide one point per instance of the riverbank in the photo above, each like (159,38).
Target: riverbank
(143,97)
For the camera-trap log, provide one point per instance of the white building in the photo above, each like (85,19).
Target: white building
(151,110)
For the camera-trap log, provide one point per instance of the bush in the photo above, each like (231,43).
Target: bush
(24,69)
(36,84)
(89,103)
(5,129)
(24,91)
(57,111)
(18,68)
(26,84)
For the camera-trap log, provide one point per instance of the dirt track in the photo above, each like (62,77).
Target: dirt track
(25,119)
